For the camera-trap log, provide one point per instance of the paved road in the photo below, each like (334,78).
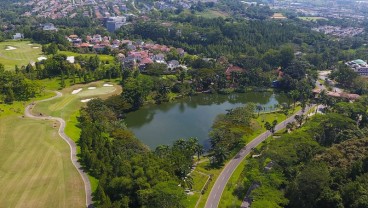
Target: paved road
(73,148)
(213,199)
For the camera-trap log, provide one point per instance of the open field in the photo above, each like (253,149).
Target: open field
(101,56)
(67,105)
(35,167)
(212,14)
(18,53)
(312,19)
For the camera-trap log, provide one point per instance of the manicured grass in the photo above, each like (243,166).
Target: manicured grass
(101,56)
(69,104)
(35,166)
(22,55)
(212,14)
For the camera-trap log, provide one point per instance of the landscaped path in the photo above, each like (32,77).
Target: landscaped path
(213,199)
(73,147)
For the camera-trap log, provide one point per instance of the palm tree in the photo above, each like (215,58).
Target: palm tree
(199,150)
(294,95)
(187,182)
(220,154)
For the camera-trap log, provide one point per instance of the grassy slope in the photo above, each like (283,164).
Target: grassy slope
(35,167)
(20,56)
(67,107)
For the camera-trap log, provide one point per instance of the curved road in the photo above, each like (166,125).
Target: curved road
(213,199)
(73,148)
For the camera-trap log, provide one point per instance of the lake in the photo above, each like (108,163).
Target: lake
(190,116)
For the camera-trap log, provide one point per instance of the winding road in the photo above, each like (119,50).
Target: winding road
(73,147)
(213,199)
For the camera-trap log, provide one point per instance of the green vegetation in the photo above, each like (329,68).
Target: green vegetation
(35,162)
(312,19)
(314,166)
(102,57)
(19,53)
(212,14)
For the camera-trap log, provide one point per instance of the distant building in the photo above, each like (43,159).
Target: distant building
(359,66)
(114,23)
(233,69)
(49,27)
(18,36)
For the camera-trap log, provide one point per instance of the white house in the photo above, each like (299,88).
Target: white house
(18,36)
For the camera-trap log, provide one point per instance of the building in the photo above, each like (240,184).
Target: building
(114,23)
(18,36)
(233,69)
(49,27)
(359,66)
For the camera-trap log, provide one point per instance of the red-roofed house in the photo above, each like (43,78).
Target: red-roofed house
(232,69)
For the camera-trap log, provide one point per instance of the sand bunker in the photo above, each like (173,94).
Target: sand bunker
(29,44)
(92,88)
(9,48)
(108,85)
(76,91)
(41,58)
(86,100)
(35,47)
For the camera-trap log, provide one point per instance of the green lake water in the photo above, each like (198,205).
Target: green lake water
(190,116)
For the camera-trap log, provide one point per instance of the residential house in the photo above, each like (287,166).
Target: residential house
(49,27)
(159,58)
(232,69)
(173,64)
(18,36)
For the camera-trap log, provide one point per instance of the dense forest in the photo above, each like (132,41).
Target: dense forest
(130,175)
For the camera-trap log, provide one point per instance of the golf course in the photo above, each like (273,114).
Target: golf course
(35,167)
(35,164)
(18,53)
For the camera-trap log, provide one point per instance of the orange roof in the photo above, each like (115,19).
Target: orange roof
(231,69)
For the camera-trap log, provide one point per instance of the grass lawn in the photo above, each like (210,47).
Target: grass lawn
(101,56)
(67,106)
(21,54)
(212,14)
(35,167)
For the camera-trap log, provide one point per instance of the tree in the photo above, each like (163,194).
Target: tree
(308,185)
(220,154)
(166,195)
(299,119)
(344,75)
(271,127)
(290,126)
(259,108)
(294,95)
